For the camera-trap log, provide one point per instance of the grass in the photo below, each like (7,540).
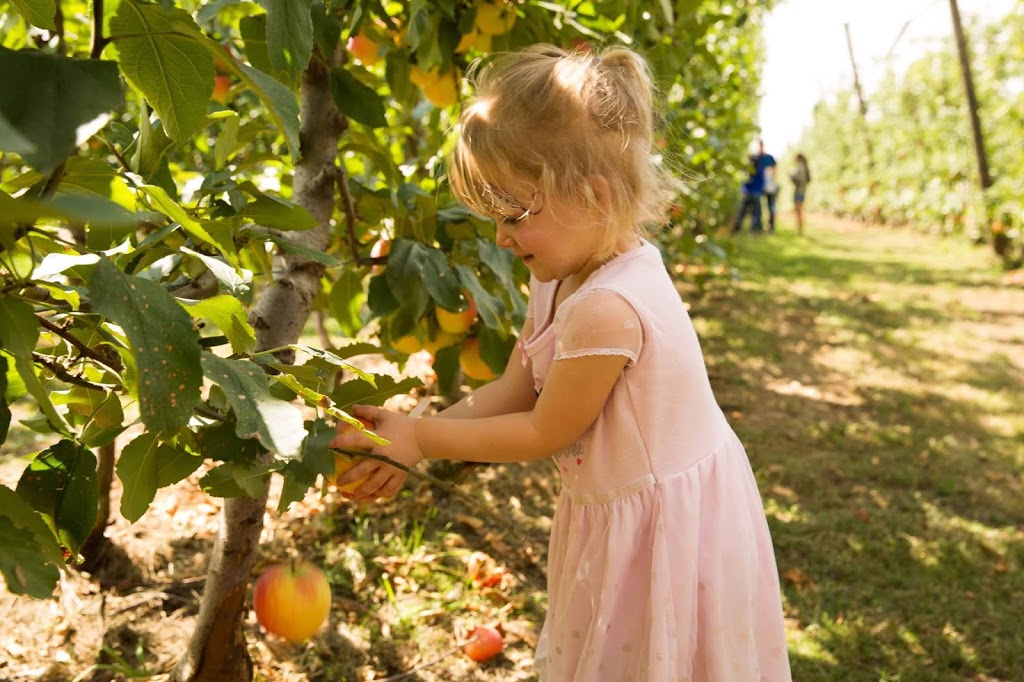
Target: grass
(876,377)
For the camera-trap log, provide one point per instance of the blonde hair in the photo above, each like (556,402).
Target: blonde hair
(557,119)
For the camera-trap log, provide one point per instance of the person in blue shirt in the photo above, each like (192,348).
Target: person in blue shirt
(751,191)
(760,182)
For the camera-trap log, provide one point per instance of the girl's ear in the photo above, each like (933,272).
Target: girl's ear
(602,192)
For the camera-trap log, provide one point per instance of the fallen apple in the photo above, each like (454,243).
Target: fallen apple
(485,642)
(292,600)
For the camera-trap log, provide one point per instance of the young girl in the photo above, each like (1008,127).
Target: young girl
(801,177)
(660,567)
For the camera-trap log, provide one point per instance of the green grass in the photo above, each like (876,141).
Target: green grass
(875,375)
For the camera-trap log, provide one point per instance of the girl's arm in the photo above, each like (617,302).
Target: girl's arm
(574,395)
(511,392)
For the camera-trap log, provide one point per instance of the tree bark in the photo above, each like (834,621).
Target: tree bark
(217,650)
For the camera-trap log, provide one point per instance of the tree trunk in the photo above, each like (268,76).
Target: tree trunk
(217,650)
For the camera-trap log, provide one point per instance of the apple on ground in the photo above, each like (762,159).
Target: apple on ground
(292,600)
(485,642)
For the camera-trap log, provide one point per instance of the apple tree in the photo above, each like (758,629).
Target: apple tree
(184,183)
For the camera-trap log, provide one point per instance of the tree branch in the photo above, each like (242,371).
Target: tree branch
(98,41)
(67,377)
(450,488)
(83,349)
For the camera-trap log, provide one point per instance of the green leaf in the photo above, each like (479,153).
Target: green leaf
(326,27)
(169,207)
(288,246)
(491,308)
(12,140)
(278,214)
(146,465)
(501,262)
(362,393)
(31,552)
(336,360)
(55,103)
(39,13)
(228,314)
(166,348)
(276,423)
(15,384)
(289,34)
(164,60)
(19,331)
(281,103)
(105,422)
(235,284)
(236,480)
(410,260)
(253,30)
(220,442)
(60,484)
(299,474)
(77,208)
(356,100)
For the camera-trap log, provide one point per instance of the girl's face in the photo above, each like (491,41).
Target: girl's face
(554,239)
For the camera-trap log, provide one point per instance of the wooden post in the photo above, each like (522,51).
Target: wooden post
(984,177)
(860,99)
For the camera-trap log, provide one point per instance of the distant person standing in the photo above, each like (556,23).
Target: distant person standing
(751,191)
(766,167)
(801,176)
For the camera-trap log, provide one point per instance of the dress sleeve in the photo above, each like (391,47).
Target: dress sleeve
(599,323)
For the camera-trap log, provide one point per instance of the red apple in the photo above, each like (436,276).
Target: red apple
(221,86)
(292,600)
(365,50)
(485,642)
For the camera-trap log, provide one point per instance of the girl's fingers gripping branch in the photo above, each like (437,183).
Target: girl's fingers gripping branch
(381,479)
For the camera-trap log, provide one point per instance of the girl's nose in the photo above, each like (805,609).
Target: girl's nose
(504,235)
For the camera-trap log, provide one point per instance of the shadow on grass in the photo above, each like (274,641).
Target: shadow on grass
(894,507)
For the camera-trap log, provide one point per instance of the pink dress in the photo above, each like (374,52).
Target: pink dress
(660,567)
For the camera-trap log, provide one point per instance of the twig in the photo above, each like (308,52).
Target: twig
(98,41)
(66,376)
(350,212)
(443,485)
(422,666)
(81,347)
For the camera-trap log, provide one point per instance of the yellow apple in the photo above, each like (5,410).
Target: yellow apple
(456,323)
(343,462)
(440,89)
(495,18)
(292,600)
(473,366)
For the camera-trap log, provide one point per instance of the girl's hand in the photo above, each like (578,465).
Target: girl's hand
(383,480)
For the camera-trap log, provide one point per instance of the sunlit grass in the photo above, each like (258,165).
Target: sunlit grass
(875,375)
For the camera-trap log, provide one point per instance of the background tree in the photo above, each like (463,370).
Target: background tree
(921,128)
